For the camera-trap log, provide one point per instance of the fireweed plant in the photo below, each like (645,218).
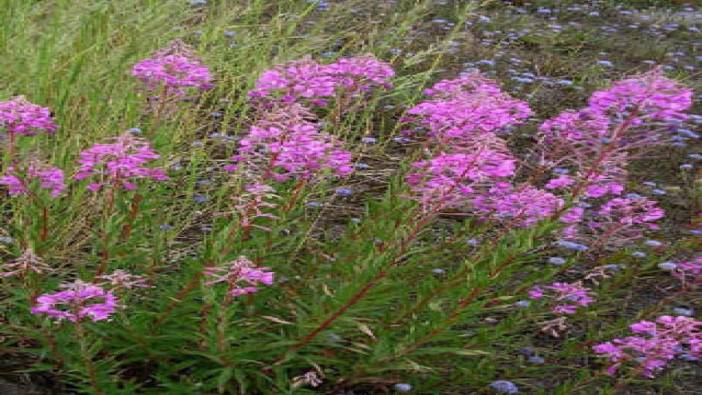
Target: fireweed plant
(171,75)
(257,303)
(19,117)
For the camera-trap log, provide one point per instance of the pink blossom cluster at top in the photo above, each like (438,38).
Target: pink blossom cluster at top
(80,300)
(242,276)
(288,145)
(118,164)
(656,344)
(313,83)
(19,116)
(470,105)
(565,297)
(473,164)
(597,141)
(174,68)
(49,178)
(648,97)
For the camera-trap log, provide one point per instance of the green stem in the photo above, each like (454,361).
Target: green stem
(87,360)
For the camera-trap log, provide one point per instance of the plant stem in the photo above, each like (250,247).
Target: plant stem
(133,212)
(194,281)
(89,366)
(455,313)
(10,147)
(222,321)
(44,234)
(358,296)
(107,213)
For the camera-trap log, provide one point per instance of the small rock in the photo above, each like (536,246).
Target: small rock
(556,260)
(686,311)
(535,360)
(504,387)
(669,266)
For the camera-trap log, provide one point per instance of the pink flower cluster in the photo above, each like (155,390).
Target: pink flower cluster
(470,105)
(644,98)
(450,179)
(19,116)
(253,203)
(78,301)
(28,262)
(631,211)
(313,83)
(241,275)
(120,279)
(598,140)
(174,68)
(119,163)
(463,117)
(657,343)
(614,223)
(521,206)
(287,145)
(49,178)
(566,297)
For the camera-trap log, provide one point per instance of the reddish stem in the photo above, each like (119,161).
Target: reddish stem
(44,234)
(133,212)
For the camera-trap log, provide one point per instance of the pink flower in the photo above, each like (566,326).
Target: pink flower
(660,342)
(49,177)
(575,126)
(631,211)
(643,327)
(536,293)
(615,223)
(573,215)
(241,275)
(451,179)
(571,292)
(690,272)
(522,206)
(119,163)
(18,116)
(79,301)
(608,348)
(559,182)
(620,123)
(602,189)
(27,263)
(286,145)
(121,279)
(465,107)
(565,298)
(174,67)
(311,82)
(650,96)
